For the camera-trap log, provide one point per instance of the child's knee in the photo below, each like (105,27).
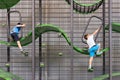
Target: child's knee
(99,44)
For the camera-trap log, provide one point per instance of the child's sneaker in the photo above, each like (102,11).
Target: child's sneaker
(99,53)
(90,69)
(24,53)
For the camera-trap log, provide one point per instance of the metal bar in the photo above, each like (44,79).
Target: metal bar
(71,33)
(40,40)
(88,22)
(47,54)
(8,33)
(103,11)
(33,39)
(110,37)
(20,19)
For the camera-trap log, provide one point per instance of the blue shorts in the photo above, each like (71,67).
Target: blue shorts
(93,50)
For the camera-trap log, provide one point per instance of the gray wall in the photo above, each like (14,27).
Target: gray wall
(72,65)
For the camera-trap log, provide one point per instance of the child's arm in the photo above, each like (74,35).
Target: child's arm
(22,25)
(96,31)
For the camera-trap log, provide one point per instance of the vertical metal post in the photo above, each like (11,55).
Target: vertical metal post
(20,18)
(33,39)
(8,33)
(103,11)
(110,37)
(71,33)
(40,40)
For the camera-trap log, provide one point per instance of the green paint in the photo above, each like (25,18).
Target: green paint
(115,27)
(85,8)
(43,28)
(103,77)
(91,4)
(6,4)
(8,76)
(42,64)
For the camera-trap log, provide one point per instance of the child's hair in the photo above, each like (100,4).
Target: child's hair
(85,36)
(19,23)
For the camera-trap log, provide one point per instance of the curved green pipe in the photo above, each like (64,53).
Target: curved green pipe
(6,4)
(85,8)
(90,4)
(115,27)
(8,76)
(43,28)
(103,77)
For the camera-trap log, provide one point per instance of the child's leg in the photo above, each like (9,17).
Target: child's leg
(21,49)
(92,51)
(19,46)
(12,37)
(90,62)
(92,54)
(16,38)
(98,51)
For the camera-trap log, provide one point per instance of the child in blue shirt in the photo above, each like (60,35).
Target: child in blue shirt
(15,36)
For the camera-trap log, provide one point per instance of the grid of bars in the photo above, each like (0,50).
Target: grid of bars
(58,13)
(57,67)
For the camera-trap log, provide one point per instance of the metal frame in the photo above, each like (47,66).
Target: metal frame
(110,37)
(8,33)
(71,34)
(33,39)
(88,25)
(103,15)
(40,40)
(20,18)
(103,23)
(33,36)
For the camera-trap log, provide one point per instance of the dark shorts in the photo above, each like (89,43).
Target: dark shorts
(15,36)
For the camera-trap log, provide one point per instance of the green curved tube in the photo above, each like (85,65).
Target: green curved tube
(43,28)
(6,4)
(85,8)
(104,77)
(115,27)
(8,76)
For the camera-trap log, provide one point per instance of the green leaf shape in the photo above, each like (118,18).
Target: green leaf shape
(6,4)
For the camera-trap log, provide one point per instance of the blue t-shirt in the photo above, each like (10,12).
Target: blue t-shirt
(16,29)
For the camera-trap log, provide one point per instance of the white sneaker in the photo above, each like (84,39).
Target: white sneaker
(98,53)
(24,53)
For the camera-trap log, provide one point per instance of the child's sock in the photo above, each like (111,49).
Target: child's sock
(21,49)
(89,66)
